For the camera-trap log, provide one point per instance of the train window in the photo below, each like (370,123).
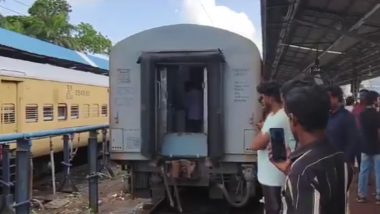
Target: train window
(104,112)
(95,110)
(31,113)
(86,111)
(74,111)
(8,113)
(48,111)
(62,111)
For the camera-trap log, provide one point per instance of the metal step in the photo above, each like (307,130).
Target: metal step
(12,167)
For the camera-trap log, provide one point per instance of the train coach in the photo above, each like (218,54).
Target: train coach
(38,97)
(151,133)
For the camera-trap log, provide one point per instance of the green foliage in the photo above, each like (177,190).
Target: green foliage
(49,21)
(89,40)
(45,9)
(15,23)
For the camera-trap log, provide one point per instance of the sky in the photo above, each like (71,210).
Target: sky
(118,19)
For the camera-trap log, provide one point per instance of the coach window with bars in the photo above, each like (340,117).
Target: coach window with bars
(48,111)
(8,113)
(74,112)
(86,110)
(95,110)
(62,111)
(104,112)
(31,113)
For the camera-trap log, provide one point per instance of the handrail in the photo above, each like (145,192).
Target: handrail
(23,167)
(5,138)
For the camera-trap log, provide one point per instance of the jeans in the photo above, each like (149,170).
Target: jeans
(367,163)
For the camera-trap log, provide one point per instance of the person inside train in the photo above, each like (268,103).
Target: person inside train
(269,176)
(370,147)
(318,177)
(194,108)
(341,128)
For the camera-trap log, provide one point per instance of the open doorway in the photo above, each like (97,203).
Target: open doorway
(182,98)
(166,79)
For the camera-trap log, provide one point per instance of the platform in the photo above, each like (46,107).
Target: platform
(363,208)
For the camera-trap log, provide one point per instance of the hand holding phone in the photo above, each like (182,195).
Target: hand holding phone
(278,148)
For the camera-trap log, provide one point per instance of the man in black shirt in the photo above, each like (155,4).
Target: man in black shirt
(370,147)
(341,128)
(318,177)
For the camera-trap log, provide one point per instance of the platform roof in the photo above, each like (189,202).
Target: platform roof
(19,46)
(344,35)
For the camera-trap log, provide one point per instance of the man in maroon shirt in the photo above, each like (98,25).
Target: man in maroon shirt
(358,109)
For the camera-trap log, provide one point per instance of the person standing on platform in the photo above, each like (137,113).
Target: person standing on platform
(356,111)
(370,147)
(350,101)
(318,178)
(359,108)
(341,128)
(269,176)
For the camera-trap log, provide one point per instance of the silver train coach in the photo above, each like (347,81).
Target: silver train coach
(151,74)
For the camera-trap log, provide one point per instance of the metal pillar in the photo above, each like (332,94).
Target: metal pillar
(23,169)
(6,182)
(105,155)
(93,171)
(52,166)
(67,184)
(355,83)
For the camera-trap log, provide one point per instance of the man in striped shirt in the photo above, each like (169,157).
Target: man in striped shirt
(318,177)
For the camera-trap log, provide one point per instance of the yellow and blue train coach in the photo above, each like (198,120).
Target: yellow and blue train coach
(37,97)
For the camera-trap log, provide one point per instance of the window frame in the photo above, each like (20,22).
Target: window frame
(59,117)
(104,108)
(3,113)
(34,118)
(73,117)
(95,110)
(86,111)
(45,118)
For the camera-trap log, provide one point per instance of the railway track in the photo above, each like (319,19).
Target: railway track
(196,201)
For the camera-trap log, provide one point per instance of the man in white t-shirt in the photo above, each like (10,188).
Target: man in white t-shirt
(268,175)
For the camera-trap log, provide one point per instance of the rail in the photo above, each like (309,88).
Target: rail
(5,138)
(23,184)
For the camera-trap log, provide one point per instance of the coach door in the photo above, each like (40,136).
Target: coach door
(158,71)
(8,104)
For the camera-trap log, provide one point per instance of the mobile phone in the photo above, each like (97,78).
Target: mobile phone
(277,137)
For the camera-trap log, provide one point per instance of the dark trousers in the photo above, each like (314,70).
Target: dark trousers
(194,126)
(272,198)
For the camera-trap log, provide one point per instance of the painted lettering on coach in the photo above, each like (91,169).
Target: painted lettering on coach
(70,92)
(82,93)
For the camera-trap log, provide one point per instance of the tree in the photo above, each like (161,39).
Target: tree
(49,21)
(46,9)
(16,23)
(89,40)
